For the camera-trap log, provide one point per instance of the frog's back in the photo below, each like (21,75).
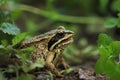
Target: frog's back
(38,38)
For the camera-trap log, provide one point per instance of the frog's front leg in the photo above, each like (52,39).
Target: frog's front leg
(62,62)
(51,66)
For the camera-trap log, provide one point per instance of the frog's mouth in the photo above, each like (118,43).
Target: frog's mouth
(64,43)
(60,42)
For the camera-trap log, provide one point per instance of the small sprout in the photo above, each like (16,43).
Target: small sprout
(51,75)
(68,71)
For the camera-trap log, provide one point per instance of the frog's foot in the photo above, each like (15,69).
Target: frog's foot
(62,71)
(62,64)
(66,66)
(59,74)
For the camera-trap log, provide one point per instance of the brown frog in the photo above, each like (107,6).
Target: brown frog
(50,46)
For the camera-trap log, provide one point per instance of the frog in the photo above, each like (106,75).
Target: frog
(50,46)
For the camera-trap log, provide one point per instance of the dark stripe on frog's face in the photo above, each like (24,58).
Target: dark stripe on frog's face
(54,39)
(58,38)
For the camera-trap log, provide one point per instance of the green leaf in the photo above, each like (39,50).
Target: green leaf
(68,71)
(109,66)
(25,77)
(118,67)
(104,51)
(115,75)
(39,63)
(115,47)
(25,67)
(110,23)
(27,50)
(104,40)
(18,38)
(106,66)
(111,70)
(4,42)
(99,66)
(10,29)
(5,37)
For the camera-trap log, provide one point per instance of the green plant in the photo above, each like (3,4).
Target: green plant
(109,61)
(10,37)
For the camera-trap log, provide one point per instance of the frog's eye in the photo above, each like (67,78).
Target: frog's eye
(54,39)
(61,28)
(60,35)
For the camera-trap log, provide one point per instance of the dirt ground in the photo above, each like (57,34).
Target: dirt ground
(82,72)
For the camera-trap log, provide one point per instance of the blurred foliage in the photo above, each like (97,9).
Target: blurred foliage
(87,18)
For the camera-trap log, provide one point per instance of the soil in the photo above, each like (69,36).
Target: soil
(82,72)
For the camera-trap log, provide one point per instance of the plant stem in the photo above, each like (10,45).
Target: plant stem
(59,17)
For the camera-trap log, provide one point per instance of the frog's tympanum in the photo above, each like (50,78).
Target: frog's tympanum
(50,47)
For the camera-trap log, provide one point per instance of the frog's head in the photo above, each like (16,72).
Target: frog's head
(61,39)
(55,39)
